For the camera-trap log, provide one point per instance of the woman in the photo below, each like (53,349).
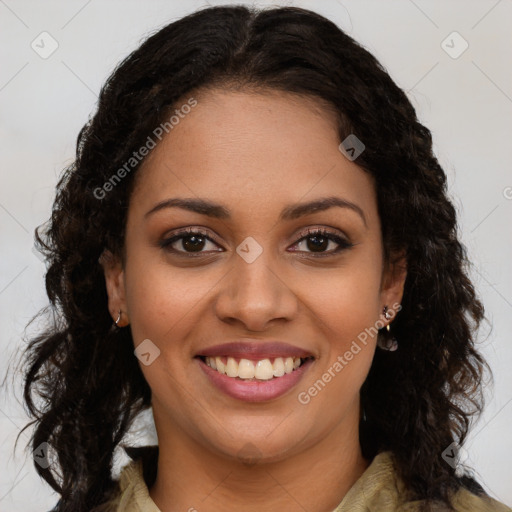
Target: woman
(256,242)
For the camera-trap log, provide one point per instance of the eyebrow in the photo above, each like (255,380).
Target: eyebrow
(289,212)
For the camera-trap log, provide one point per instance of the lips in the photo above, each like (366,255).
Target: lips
(254,350)
(254,390)
(278,368)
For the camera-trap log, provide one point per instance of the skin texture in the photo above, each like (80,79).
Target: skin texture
(254,153)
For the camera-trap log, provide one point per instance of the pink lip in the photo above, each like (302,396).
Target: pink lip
(255,350)
(254,391)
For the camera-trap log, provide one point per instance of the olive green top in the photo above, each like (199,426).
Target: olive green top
(378,489)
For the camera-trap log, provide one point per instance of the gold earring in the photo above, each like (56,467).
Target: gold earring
(389,344)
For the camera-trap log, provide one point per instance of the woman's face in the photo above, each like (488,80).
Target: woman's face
(253,276)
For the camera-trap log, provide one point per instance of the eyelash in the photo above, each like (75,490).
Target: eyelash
(310,232)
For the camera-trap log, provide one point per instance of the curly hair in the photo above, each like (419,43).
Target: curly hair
(84,387)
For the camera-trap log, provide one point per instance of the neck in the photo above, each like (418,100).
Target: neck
(193,478)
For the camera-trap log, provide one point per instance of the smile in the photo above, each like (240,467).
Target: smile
(254,380)
(246,369)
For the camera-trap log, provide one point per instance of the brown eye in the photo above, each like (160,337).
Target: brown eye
(317,241)
(193,243)
(187,242)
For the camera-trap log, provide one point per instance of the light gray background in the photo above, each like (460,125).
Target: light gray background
(466,102)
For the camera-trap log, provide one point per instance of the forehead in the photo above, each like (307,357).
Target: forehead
(252,150)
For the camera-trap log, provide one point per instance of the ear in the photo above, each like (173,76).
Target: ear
(114,280)
(393,281)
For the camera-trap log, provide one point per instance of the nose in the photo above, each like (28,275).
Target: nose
(256,293)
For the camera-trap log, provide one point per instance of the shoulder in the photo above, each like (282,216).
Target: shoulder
(379,489)
(466,500)
(132,486)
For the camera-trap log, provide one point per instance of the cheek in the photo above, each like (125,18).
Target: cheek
(159,296)
(346,306)
(160,300)
(348,301)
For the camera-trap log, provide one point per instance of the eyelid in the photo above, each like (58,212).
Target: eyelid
(331,232)
(182,232)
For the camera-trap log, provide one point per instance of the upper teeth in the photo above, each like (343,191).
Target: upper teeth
(246,369)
